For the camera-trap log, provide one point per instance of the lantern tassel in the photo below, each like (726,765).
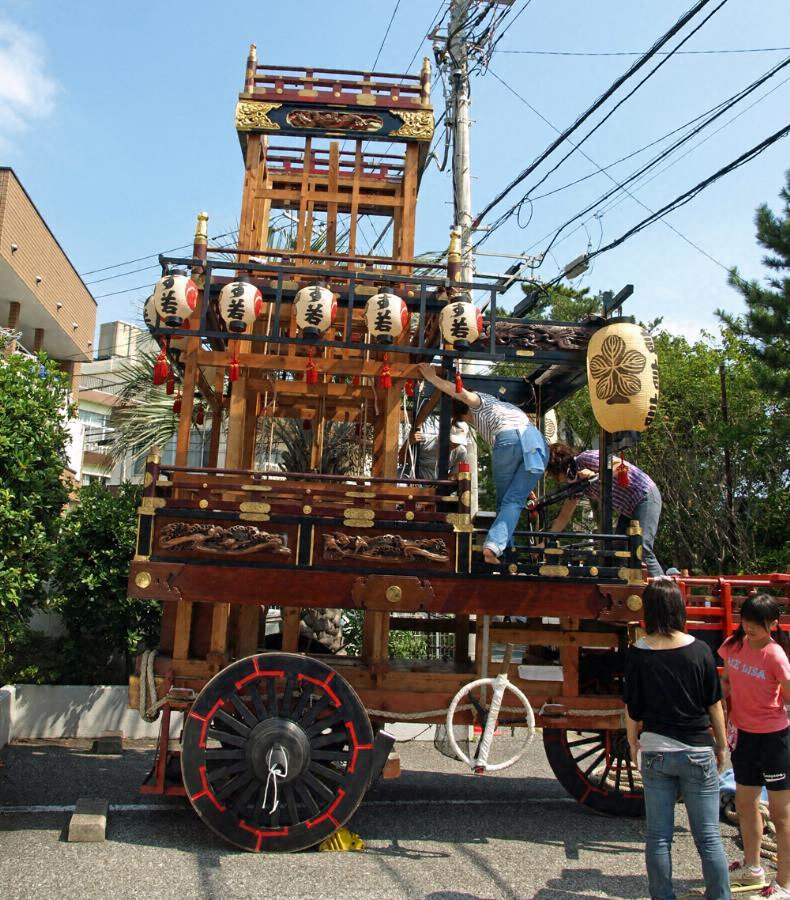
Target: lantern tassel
(385,379)
(459,382)
(200,415)
(356,381)
(233,369)
(177,404)
(408,388)
(170,387)
(161,368)
(623,478)
(311,375)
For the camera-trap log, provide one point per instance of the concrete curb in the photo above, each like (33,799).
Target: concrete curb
(89,820)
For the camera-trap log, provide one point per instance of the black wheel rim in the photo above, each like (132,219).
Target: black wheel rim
(596,768)
(269,707)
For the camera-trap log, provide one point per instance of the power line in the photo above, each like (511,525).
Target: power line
(386,33)
(638,52)
(574,147)
(732,101)
(690,194)
(643,60)
(130,262)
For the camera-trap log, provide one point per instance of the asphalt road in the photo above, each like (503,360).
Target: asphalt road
(435,833)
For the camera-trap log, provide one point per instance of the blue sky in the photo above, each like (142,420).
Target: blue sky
(120,126)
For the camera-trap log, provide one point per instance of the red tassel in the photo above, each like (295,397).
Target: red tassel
(355,381)
(177,405)
(307,424)
(385,380)
(311,375)
(171,384)
(161,368)
(200,415)
(233,369)
(409,388)
(623,478)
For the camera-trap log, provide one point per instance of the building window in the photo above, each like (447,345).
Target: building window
(97,430)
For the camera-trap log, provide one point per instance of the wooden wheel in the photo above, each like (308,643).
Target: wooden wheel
(595,767)
(282,712)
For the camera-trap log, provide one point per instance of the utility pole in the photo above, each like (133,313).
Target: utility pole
(458,49)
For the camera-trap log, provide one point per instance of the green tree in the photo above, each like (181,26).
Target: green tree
(104,625)
(34,397)
(765,328)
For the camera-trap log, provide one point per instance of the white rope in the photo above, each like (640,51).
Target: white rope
(276,770)
(431,713)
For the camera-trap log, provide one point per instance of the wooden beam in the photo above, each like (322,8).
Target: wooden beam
(187,401)
(236,412)
(290,628)
(247,631)
(183,629)
(269,363)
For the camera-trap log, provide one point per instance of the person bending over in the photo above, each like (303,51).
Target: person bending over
(518,456)
(639,500)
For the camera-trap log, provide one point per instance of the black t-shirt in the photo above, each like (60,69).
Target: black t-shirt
(670,691)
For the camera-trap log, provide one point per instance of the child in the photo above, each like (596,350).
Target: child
(756,677)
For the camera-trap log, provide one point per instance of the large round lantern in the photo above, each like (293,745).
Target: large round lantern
(175,297)
(550,427)
(316,308)
(622,375)
(240,305)
(387,317)
(149,317)
(461,323)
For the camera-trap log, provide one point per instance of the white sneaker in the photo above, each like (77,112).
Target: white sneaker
(773,890)
(741,876)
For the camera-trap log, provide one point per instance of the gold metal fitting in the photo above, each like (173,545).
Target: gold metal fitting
(307,509)
(393,593)
(454,251)
(142,579)
(409,515)
(634,602)
(203,504)
(513,569)
(593,570)
(201,230)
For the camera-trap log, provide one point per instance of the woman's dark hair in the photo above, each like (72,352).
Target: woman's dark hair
(665,609)
(560,458)
(459,410)
(761,609)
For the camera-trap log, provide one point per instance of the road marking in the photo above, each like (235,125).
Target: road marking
(169,807)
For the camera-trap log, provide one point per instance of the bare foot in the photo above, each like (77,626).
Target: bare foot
(490,557)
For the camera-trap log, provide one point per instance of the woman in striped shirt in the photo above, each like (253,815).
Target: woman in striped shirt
(518,456)
(639,499)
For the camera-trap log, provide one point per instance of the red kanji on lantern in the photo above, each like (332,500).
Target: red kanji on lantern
(385,379)
(311,374)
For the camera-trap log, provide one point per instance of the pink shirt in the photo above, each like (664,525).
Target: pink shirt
(756,702)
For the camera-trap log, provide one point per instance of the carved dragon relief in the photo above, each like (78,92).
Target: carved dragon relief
(334,119)
(381,548)
(534,336)
(417,124)
(254,114)
(234,541)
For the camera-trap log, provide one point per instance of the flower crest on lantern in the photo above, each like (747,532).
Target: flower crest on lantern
(622,376)
(550,427)
(175,297)
(240,305)
(316,308)
(461,323)
(387,317)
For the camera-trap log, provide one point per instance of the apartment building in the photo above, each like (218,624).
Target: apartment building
(42,298)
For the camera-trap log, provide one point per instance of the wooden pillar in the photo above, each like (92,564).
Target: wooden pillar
(247,636)
(290,628)
(216,420)
(385,440)
(236,413)
(187,402)
(331,208)
(14,310)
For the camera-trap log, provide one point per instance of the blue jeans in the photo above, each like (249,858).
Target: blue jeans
(647,512)
(694,772)
(513,483)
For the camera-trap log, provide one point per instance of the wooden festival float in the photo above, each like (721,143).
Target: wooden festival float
(278,745)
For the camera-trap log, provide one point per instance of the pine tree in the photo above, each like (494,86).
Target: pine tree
(765,328)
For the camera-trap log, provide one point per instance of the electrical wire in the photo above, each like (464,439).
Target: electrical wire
(638,52)
(642,61)
(386,34)
(691,193)
(130,262)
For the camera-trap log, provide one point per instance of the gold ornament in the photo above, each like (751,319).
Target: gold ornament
(253,115)
(417,124)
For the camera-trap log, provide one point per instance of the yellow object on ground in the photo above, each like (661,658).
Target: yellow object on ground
(342,840)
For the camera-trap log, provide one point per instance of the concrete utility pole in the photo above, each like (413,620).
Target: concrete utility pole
(459,111)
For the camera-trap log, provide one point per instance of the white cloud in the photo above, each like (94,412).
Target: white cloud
(27,93)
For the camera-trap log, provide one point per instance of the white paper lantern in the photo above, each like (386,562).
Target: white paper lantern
(240,305)
(316,308)
(461,323)
(550,427)
(387,317)
(622,376)
(149,313)
(175,297)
